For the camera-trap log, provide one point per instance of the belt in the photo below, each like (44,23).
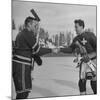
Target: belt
(22,59)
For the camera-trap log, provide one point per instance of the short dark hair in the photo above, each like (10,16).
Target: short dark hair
(80,22)
(28,20)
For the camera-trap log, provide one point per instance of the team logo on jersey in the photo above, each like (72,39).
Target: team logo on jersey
(84,41)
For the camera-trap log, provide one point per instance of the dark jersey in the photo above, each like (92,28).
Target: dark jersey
(25,42)
(86,39)
(26,45)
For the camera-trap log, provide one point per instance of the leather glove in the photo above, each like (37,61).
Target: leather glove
(37,59)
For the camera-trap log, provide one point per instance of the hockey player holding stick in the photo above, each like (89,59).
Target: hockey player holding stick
(86,42)
(25,52)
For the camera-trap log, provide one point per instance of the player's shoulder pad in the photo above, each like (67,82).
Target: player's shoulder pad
(89,33)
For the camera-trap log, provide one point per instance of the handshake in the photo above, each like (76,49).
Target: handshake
(55,50)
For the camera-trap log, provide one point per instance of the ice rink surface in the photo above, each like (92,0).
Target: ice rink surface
(58,76)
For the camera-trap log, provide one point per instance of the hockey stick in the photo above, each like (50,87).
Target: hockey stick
(35,14)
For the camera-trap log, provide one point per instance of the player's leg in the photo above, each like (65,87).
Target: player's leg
(17,74)
(22,95)
(82,86)
(82,80)
(94,82)
(22,80)
(91,75)
(94,86)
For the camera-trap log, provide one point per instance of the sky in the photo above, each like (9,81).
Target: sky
(55,17)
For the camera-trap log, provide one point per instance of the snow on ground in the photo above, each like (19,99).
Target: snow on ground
(56,77)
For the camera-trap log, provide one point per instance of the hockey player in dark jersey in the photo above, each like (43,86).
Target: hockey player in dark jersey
(87,40)
(25,52)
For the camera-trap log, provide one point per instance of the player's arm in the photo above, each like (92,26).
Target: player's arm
(66,50)
(42,51)
(69,49)
(93,41)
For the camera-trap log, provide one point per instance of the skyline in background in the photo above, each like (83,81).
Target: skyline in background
(55,18)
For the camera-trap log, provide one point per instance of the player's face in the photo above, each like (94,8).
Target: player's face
(34,26)
(78,28)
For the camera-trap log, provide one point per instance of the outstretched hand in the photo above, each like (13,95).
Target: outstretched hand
(56,50)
